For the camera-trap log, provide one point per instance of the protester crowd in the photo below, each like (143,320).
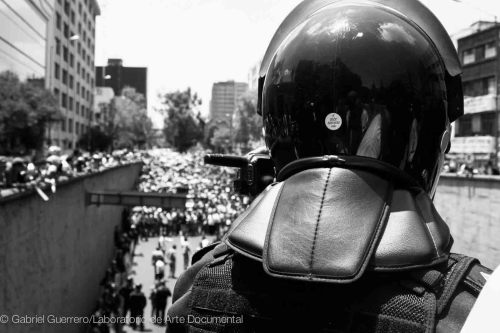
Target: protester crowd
(210,209)
(18,174)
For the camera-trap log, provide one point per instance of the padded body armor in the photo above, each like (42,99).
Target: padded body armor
(331,250)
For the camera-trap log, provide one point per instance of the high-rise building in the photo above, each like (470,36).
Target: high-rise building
(253,76)
(116,76)
(25,27)
(102,105)
(476,133)
(72,80)
(225,96)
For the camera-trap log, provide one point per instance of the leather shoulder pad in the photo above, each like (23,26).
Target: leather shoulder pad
(331,224)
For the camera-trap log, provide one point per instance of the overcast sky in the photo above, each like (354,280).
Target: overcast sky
(198,42)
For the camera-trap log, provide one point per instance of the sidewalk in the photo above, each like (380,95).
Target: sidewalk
(142,272)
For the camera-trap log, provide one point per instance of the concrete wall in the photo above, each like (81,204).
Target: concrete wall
(54,254)
(471,207)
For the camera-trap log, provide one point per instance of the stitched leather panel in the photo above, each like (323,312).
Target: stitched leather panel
(408,240)
(333,235)
(415,235)
(248,234)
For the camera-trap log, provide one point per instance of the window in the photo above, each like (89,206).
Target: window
(77,127)
(63,125)
(78,48)
(71,59)
(57,70)
(487,123)
(82,111)
(77,87)
(64,76)
(71,81)
(65,53)
(73,17)
(464,127)
(490,51)
(83,92)
(78,68)
(58,46)
(64,100)
(56,92)
(468,57)
(58,21)
(480,87)
(70,125)
(79,28)
(66,7)
(70,104)
(66,30)
(80,8)
(480,53)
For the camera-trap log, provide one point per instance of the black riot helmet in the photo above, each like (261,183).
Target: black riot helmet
(372,78)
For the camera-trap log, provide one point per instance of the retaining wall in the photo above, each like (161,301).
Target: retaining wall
(471,207)
(54,254)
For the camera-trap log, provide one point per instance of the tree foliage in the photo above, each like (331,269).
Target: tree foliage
(182,127)
(130,126)
(26,108)
(95,139)
(248,124)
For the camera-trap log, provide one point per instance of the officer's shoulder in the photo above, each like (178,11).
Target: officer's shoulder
(209,250)
(476,278)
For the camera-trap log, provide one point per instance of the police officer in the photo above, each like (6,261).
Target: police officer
(357,98)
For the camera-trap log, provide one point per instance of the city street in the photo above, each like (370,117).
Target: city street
(143,274)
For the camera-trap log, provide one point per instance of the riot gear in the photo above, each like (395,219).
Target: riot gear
(361,78)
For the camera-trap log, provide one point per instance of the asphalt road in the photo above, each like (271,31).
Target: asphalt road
(143,273)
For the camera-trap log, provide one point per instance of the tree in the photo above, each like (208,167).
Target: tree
(248,124)
(130,125)
(95,139)
(221,140)
(26,108)
(182,128)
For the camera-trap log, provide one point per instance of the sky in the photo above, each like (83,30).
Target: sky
(194,43)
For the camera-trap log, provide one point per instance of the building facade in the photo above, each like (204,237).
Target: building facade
(116,76)
(102,105)
(476,133)
(25,29)
(225,96)
(72,78)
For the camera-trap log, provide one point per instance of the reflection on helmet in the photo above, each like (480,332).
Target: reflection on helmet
(358,79)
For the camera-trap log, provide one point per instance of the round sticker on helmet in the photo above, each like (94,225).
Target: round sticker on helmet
(333,121)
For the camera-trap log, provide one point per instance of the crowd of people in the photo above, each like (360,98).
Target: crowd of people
(210,209)
(19,174)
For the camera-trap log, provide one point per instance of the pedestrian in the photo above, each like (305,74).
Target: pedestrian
(356,99)
(137,304)
(187,255)
(159,269)
(162,295)
(125,292)
(153,301)
(172,260)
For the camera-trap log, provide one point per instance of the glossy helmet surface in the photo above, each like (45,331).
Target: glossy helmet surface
(379,79)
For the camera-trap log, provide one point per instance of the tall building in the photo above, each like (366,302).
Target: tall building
(116,76)
(253,76)
(25,29)
(225,96)
(476,133)
(72,79)
(102,105)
